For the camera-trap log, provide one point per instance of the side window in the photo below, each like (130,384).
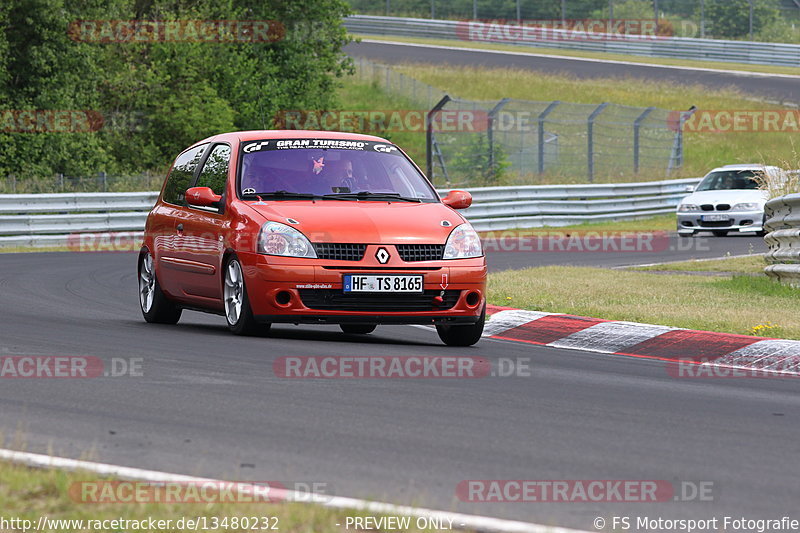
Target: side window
(180,177)
(215,170)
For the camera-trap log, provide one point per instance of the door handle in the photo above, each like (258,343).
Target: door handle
(180,227)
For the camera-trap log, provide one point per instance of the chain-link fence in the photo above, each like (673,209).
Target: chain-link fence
(762,20)
(508,142)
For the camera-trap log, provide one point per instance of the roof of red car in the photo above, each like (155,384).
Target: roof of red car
(254,135)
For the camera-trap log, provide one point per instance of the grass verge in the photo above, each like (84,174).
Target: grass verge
(716,65)
(659,223)
(732,304)
(29,493)
(751,264)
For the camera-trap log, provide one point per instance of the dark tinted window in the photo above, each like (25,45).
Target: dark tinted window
(729,180)
(215,170)
(181,175)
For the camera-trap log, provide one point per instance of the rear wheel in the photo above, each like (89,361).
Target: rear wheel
(465,335)
(720,232)
(156,307)
(238,313)
(359,329)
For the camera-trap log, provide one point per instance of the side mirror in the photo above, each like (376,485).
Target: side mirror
(202,197)
(689,188)
(458,199)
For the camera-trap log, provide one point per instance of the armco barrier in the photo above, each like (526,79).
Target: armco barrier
(47,220)
(783,239)
(672,47)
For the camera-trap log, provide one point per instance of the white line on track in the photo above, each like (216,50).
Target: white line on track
(702,260)
(459,520)
(743,73)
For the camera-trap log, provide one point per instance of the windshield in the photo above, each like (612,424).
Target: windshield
(729,179)
(292,168)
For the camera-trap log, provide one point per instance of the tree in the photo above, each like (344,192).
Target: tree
(731,18)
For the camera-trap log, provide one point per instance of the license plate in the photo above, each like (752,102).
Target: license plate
(382,283)
(715,218)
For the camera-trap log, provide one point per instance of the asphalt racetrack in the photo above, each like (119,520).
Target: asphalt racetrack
(209,404)
(783,89)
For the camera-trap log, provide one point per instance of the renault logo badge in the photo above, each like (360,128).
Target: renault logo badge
(382,256)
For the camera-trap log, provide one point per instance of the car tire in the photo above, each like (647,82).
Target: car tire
(685,235)
(465,335)
(156,307)
(720,232)
(238,313)
(358,329)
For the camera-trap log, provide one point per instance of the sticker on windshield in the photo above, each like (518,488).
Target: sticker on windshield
(321,144)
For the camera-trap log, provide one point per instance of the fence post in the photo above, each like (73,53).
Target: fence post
(490,131)
(540,140)
(676,158)
(429,134)
(590,131)
(637,124)
(103,180)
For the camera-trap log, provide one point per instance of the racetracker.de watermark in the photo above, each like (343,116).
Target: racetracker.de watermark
(589,242)
(571,30)
(198,492)
(582,491)
(736,121)
(707,368)
(68,366)
(399,367)
(383,120)
(50,120)
(184,31)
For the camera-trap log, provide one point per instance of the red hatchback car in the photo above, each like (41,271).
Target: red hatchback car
(310,227)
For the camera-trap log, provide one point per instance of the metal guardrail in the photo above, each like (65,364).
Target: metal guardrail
(783,239)
(57,220)
(758,53)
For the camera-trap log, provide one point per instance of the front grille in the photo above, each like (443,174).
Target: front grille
(723,207)
(340,252)
(336,300)
(707,207)
(420,252)
(715,224)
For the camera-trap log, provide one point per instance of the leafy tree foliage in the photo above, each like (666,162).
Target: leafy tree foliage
(157,96)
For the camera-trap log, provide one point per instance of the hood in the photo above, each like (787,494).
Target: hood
(732,197)
(363,222)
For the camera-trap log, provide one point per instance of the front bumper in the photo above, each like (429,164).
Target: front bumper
(293,290)
(742,221)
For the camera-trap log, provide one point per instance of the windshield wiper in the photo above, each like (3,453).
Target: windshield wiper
(369,195)
(288,195)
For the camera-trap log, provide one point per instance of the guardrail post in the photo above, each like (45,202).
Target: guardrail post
(590,135)
(490,130)
(541,119)
(636,127)
(429,134)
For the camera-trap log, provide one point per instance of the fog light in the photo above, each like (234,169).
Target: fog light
(473,299)
(283,298)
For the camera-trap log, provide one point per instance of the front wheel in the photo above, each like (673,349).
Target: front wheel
(720,232)
(238,312)
(358,329)
(156,307)
(465,335)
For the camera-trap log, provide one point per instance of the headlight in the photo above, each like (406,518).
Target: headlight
(279,239)
(683,208)
(749,206)
(463,243)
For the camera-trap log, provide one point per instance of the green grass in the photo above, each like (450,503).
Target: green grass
(717,65)
(734,304)
(751,264)
(703,151)
(659,223)
(29,493)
